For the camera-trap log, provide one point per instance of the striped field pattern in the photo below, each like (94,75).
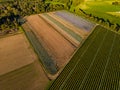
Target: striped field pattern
(95,66)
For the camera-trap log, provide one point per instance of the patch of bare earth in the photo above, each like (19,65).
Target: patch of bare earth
(19,66)
(56,45)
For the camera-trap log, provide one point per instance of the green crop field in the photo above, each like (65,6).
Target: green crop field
(95,66)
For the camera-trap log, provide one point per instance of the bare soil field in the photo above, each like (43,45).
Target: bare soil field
(78,31)
(56,45)
(61,31)
(15,53)
(19,66)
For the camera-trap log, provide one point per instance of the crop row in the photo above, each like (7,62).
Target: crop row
(66,29)
(42,54)
(84,63)
(111,74)
(75,20)
(74,60)
(89,67)
(95,72)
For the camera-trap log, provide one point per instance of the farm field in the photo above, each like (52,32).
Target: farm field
(55,43)
(40,50)
(51,40)
(29,77)
(72,37)
(13,54)
(101,9)
(95,66)
(19,65)
(75,20)
(76,30)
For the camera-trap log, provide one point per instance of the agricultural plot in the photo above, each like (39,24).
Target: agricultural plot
(71,36)
(75,20)
(57,48)
(19,66)
(95,66)
(29,77)
(42,54)
(76,30)
(15,53)
(54,38)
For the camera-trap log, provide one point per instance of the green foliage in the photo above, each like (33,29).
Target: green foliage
(102,12)
(11,11)
(94,64)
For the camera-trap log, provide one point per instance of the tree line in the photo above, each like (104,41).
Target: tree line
(102,20)
(12,12)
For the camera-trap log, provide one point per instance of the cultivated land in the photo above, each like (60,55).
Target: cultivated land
(75,20)
(95,66)
(64,31)
(19,66)
(55,38)
(15,53)
(30,77)
(57,46)
(78,31)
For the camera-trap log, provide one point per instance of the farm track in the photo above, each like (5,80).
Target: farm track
(61,30)
(57,47)
(78,31)
(98,69)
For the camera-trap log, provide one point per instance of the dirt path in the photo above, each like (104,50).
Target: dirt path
(56,45)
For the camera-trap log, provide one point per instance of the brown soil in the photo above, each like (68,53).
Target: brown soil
(14,53)
(30,77)
(66,35)
(19,66)
(56,45)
